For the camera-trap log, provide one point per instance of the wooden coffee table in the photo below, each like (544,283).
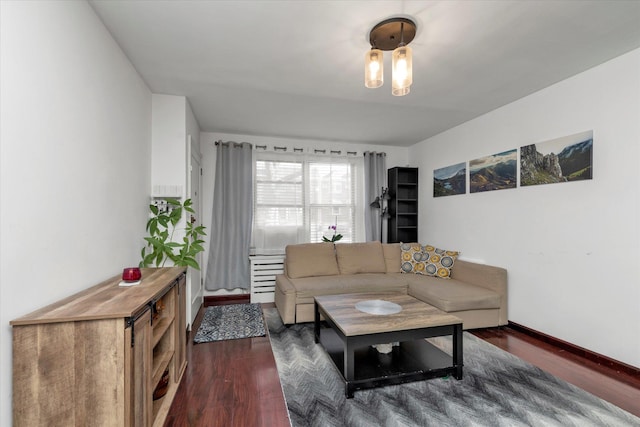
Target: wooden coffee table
(347,334)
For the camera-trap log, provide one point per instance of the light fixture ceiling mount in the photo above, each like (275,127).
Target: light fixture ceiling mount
(388,34)
(391,34)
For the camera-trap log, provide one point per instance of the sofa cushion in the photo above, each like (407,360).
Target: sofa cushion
(311,259)
(451,295)
(374,283)
(392,254)
(438,262)
(309,287)
(355,258)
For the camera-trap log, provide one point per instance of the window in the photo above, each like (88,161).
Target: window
(297,198)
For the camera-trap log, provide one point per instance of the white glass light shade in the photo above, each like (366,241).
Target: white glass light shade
(402,71)
(373,68)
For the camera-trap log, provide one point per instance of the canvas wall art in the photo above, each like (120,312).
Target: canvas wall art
(495,172)
(450,180)
(569,158)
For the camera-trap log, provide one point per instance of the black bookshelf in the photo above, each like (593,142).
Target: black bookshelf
(403,205)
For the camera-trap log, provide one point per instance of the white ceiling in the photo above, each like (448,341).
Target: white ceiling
(295,68)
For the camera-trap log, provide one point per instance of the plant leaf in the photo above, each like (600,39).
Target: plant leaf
(148,260)
(191,263)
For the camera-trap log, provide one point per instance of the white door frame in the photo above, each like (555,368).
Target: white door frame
(195,288)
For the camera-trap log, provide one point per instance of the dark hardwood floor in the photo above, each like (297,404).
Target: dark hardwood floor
(230,383)
(235,383)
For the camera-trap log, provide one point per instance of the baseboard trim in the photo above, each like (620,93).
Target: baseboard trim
(577,350)
(226,299)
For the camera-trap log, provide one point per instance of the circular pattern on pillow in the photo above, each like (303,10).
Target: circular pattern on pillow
(443,273)
(447,261)
(430,269)
(406,267)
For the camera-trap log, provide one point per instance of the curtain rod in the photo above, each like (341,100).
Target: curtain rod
(298,150)
(236,144)
(301,150)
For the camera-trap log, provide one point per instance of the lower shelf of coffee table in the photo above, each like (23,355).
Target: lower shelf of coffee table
(409,361)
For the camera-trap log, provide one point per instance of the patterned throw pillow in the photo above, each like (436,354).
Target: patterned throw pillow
(439,262)
(427,260)
(412,258)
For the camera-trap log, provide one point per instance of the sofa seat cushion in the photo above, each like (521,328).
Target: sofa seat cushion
(359,283)
(310,287)
(451,295)
(356,258)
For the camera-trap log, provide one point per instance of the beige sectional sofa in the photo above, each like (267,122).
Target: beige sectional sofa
(475,293)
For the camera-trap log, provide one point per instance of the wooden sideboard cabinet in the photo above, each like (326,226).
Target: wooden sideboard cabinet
(96,357)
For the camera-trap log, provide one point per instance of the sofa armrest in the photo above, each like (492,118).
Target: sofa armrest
(486,276)
(285,299)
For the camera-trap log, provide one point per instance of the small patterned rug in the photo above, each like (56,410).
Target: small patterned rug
(230,322)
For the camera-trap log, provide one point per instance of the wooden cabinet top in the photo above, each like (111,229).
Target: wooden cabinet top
(106,300)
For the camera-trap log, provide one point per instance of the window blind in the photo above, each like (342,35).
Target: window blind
(299,196)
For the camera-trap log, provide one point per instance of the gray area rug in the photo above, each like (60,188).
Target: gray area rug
(497,389)
(230,322)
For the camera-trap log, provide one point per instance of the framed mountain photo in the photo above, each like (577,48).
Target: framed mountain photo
(450,180)
(495,172)
(565,159)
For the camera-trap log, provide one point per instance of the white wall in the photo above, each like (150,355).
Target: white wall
(75,160)
(396,156)
(571,250)
(168,156)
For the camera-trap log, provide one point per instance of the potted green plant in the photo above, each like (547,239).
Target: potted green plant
(161,227)
(335,236)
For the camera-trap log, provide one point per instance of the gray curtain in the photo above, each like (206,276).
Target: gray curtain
(230,233)
(375,179)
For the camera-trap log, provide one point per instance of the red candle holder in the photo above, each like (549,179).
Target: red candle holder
(131,274)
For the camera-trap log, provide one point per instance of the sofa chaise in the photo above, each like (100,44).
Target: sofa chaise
(476,293)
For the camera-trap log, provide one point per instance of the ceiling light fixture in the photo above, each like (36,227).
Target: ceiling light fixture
(391,34)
